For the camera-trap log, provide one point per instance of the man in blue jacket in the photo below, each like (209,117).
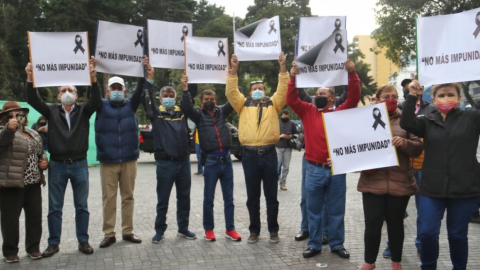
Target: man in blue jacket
(172,155)
(211,122)
(116,129)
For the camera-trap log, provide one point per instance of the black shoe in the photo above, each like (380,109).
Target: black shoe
(85,248)
(310,252)
(342,252)
(50,251)
(324,240)
(302,236)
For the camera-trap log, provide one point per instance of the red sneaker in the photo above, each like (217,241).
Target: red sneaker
(233,235)
(209,235)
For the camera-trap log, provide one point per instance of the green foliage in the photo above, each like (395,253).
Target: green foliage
(209,20)
(396,20)
(367,83)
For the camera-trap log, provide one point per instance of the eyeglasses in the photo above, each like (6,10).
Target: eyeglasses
(256,82)
(387,97)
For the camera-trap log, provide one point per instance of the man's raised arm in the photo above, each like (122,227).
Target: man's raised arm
(33,97)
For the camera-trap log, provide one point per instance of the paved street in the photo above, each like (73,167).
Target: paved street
(179,253)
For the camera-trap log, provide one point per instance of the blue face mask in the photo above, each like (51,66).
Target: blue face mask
(168,102)
(117,96)
(258,94)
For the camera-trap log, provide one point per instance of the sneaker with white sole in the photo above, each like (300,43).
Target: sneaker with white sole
(233,235)
(187,234)
(35,255)
(158,238)
(12,259)
(209,235)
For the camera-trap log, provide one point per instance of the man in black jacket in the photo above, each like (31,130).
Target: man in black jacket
(211,122)
(68,130)
(284,151)
(172,155)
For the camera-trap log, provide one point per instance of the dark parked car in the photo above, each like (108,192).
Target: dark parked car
(146,140)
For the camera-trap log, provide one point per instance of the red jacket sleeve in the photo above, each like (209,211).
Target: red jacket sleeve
(298,106)
(354,92)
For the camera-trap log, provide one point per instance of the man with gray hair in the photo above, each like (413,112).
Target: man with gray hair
(172,155)
(116,136)
(68,129)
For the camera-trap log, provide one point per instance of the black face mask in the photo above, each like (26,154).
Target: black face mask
(321,102)
(209,105)
(284,120)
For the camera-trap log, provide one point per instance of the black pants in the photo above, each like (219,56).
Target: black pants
(378,208)
(12,200)
(257,169)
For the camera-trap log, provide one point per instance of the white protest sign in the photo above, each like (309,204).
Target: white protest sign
(259,41)
(165,43)
(448,48)
(119,49)
(322,52)
(360,139)
(59,58)
(206,60)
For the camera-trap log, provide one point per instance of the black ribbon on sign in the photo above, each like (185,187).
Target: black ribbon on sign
(139,38)
(185,32)
(378,119)
(338,24)
(272,27)
(477,21)
(78,41)
(220,48)
(338,41)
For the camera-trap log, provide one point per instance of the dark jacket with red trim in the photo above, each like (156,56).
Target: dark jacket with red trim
(212,126)
(315,140)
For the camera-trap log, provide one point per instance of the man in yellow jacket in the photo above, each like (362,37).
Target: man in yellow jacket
(259,131)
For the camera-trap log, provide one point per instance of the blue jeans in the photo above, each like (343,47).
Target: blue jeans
(320,183)
(325,217)
(476,212)
(303,200)
(459,212)
(58,175)
(171,172)
(418,176)
(258,168)
(303,205)
(198,151)
(215,170)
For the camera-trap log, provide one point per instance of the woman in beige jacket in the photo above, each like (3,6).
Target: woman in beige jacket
(386,191)
(22,161)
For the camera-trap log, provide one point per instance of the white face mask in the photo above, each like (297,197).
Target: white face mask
(68,98)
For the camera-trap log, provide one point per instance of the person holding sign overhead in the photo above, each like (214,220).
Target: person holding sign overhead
(259,132)
(68,128)
(211,122)
(450,173)
(116,137)
(386,191)
(319,181)
(172,155)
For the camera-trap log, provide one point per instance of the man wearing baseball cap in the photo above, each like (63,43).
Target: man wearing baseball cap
(116,137)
